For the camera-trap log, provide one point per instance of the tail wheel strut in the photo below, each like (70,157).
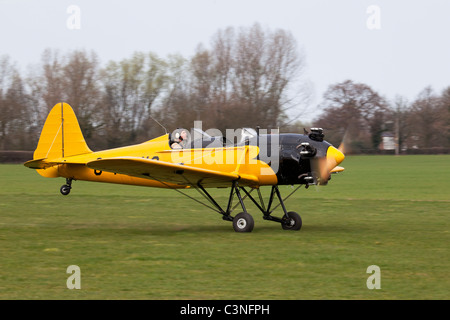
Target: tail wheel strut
(65,188)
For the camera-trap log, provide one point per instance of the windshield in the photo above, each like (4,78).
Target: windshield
(199,134)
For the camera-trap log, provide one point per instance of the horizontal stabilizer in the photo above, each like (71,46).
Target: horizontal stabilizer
(39,164)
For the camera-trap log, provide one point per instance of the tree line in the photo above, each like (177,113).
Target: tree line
(245,77)
(358,116)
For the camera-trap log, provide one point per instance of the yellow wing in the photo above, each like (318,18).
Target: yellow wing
(167,172)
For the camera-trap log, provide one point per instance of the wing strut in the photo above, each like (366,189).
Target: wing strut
(186,195)
(267,212)
(242,222)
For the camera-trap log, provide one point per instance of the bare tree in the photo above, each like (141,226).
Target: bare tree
(427,119)
(400,110)
(51,79)
(131,88)
(354,109)
(244,79)
(15,118)
(176,107)
(72,78)
(81,89)
(266,63)
(203,86)
(445,116)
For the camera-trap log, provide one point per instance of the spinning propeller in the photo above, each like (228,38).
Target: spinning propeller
(326,161)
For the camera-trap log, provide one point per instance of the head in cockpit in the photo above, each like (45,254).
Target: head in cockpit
(180,139)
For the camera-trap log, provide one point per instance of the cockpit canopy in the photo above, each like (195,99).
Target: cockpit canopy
(197,138)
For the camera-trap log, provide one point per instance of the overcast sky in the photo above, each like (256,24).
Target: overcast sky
(394,46)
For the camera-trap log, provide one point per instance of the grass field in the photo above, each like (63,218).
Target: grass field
(142,243)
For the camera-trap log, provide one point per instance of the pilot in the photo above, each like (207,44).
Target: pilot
(180,140)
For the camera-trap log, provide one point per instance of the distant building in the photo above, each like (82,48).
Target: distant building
(387,141)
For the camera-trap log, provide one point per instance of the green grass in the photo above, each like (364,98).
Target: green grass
(142,243)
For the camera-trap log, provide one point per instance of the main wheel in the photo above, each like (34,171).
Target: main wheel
(243,222)
(65,189)
(294,222)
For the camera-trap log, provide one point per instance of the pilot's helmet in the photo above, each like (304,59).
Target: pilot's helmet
(180,134)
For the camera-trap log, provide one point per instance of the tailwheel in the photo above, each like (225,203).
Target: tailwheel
(65,189)
(243,222)
(293,221)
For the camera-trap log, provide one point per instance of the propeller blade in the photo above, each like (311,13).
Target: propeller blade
(342,147)
(323,166)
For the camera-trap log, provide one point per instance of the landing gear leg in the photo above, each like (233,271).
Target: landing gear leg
(290,220)
(65,188)
(242,222)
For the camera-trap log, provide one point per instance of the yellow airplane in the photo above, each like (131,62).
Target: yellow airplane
(200,161)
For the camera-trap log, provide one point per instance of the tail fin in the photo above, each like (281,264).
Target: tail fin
(61,135)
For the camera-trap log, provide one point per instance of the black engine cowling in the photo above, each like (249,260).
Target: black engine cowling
(296,155)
